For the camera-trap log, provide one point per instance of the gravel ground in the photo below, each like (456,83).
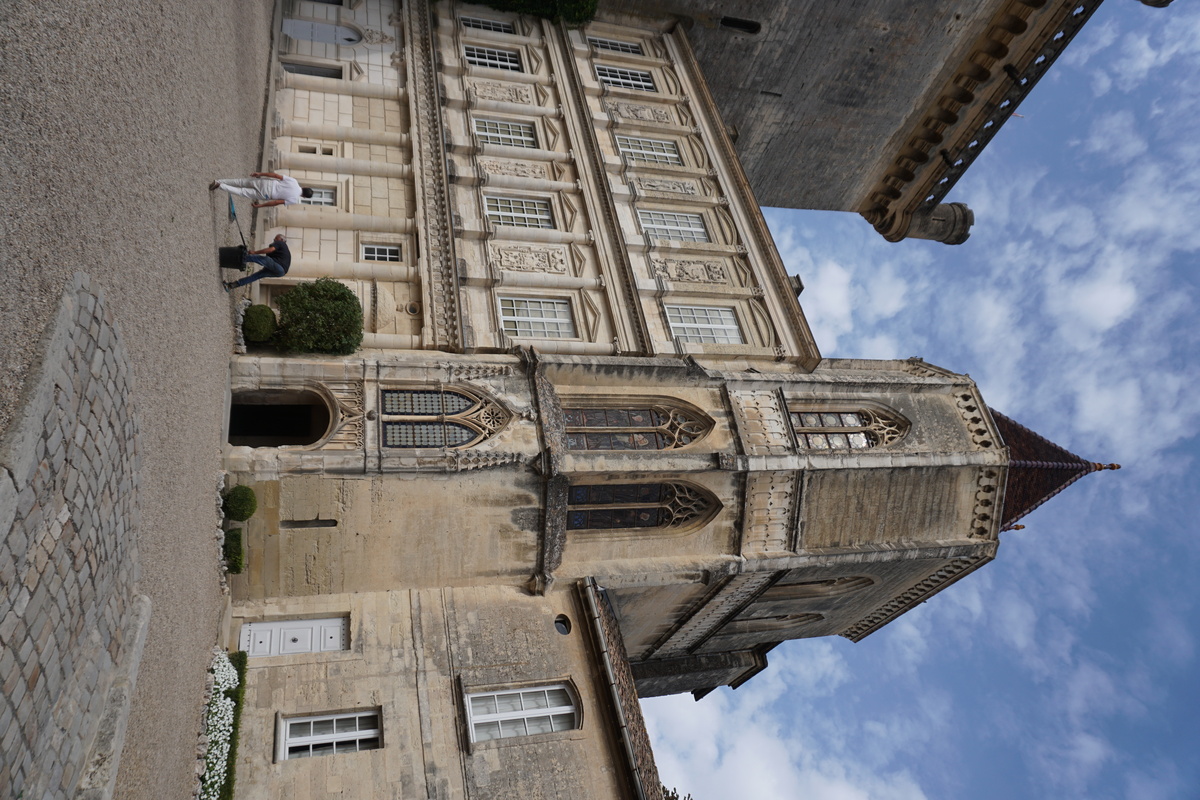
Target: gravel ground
(114,116)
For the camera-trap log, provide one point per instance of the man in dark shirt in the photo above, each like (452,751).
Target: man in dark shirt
(275,259)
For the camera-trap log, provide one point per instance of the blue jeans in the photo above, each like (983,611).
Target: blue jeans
(270,269)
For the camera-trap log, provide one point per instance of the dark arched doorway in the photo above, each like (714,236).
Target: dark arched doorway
(277,418)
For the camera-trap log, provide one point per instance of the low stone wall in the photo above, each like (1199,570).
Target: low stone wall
(72,624)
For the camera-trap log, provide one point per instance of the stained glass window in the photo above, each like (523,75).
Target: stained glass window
(636,428)
(437,418)
(636,505)
(845,429)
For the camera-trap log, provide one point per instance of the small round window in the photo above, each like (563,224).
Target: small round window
(562,624)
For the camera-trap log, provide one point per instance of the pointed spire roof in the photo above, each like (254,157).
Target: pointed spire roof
(1038,469)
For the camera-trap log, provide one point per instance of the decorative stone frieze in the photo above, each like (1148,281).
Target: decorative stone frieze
(762,422)
(770,515)
(640,113)
(502,92)
(526,258)
(972,413)
(517,169)
(372,36)
(715,609)
(901,603)
(987,494)
(470,372)
(666,185)
(692,270)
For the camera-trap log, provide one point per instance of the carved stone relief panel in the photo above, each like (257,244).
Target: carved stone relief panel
(763,423)
(985,511)
(518,169)
(693,270)
(666,185)
(771,499)
(349,434)
(641,113)
(502,92)
(527,258)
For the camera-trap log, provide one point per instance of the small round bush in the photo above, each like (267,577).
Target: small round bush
(240,503)
(259,324)
(320,316)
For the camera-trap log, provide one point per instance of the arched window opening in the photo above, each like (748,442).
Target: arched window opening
(278,418)
(649,427)
(846,428)
(741,25)
(438,418)
(830,587)
(638,505)
(521,712)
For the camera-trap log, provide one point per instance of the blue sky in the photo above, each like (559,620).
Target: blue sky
(1067,668)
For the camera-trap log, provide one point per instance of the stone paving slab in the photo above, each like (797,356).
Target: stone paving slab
(69,558)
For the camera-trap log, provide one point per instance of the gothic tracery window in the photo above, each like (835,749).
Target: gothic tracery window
(846,428)
(438,417)
(637,505)
(649,427)
(828,587)
(780,622)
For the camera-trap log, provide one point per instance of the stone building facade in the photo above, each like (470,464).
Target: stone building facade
(589,448)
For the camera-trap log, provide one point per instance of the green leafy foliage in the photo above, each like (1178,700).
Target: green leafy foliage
(673,794)
(320,316)
(237,695)
(235,555)
(240,503)
(259,323)
(572,12)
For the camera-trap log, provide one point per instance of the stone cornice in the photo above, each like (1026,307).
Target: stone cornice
(1017,48)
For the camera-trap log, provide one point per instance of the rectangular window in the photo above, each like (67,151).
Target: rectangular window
(622,78)
(381,252)
(493,58)
(321,197)
(480,24)
(512,134)
(315,149)
(503,715)
(536,318)
(704,324)
(670,226)
(328,734)
(520,212)
(313,69)
(615,45)
(649,151)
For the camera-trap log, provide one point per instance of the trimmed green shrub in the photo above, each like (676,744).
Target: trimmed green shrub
(320,316)
(259,324)
(572,12)
(235,556)
(237,695)
(240,503)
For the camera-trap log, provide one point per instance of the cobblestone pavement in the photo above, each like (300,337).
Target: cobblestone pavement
(70,554)
(115,115)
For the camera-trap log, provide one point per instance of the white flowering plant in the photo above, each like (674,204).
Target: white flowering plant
(220,726)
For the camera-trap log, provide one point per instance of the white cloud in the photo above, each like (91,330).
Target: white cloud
(1115,138)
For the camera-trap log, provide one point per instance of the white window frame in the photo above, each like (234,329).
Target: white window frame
(324,196)
(297,66)
(390,253)
(704,324)
(673,226)
(341,741)
(512,724)
(519,212)
(493,58)
(625,78)
(506,132)
(643,150)
(530,319)
(616,45)
(484,24)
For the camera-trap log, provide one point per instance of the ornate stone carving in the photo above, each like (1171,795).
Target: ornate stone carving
(715,609)
(349,434)
(690,269)
(470,372)
(641,113)
(898,605)
(517,169)
(665,185)
(987,484)
(502,92)
(771,499)
(526,258)
(763,423)
(972,414)
(372,36)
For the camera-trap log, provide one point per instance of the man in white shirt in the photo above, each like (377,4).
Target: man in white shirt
(264,188)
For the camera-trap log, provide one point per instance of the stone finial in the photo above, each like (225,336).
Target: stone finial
(1156,3)
(797,284)
(948,222)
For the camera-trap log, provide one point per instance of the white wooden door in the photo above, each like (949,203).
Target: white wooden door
(288,637)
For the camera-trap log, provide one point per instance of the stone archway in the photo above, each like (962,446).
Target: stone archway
(278,418)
